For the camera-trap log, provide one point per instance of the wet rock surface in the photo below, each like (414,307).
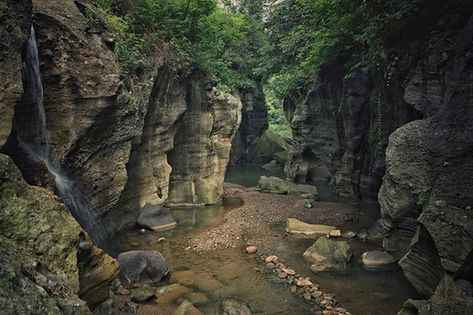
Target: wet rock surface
(38,256)
(329,255)
(296,227)
(138,267)
(378,260)
(15,31)
(277,185)
(233,307)
(97,270)
(155,218)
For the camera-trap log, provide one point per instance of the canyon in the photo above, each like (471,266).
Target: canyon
(83,150)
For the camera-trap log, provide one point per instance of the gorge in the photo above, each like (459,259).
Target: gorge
(236,157)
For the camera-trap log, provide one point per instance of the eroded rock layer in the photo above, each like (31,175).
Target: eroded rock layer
(429,168)
(164,138)
(404,131)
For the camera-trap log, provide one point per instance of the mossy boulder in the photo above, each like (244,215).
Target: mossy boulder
(329,255)
(38,249)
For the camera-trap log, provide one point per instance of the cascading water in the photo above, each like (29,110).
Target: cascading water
(36,143)
(33,138)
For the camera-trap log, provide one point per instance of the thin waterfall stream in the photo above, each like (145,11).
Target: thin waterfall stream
(35,142)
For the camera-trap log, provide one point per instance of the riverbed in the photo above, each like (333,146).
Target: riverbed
(209,243)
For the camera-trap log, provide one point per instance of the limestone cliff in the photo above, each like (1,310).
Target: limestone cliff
(429,167)
(340,130)
(410,124)
(254,123)
(112,146)
(15,17)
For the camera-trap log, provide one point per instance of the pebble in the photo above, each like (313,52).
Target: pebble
(251,249)
(349,234)
(271,259)
(302,282)
(335,233)
(289,271)
(303,286)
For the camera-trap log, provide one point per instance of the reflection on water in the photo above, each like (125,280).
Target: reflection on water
(241,277)
(248,175)
(359,290)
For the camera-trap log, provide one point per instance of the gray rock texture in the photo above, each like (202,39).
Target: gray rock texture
(329,255)
(15,30)
(140,267)
(429,167)
(254,123)
(38,249)
(166,138)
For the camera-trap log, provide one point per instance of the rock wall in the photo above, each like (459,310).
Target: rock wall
(426,189)
(38,256)
(184,148)
(405,132)
(116,145)
(254,123)
(340,130)
(202,147)
(16,24)
(341,126)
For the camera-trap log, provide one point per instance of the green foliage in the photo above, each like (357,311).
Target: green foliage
(277,121)
(304,35)
(202,36)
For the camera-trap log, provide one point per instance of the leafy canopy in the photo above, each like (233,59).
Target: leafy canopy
(304,35)
(202,36)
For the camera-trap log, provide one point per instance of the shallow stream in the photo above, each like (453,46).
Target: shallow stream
(242,277)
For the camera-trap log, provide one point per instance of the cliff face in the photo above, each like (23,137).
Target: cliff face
(409,131)
(340,130)
(429,168)
(184,148)
(165,139)
(254,123)
(15,17)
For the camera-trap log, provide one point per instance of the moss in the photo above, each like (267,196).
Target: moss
(422,197)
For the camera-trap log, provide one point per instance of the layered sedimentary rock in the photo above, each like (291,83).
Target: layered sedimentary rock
(110,146)
(96,272)
(254,123)
(15,17)
(410,123)
(202,147)
(429,167)
(38,249)
(184,148)
(340,132)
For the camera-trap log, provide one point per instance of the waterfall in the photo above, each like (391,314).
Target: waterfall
(34,116)
(33,138)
